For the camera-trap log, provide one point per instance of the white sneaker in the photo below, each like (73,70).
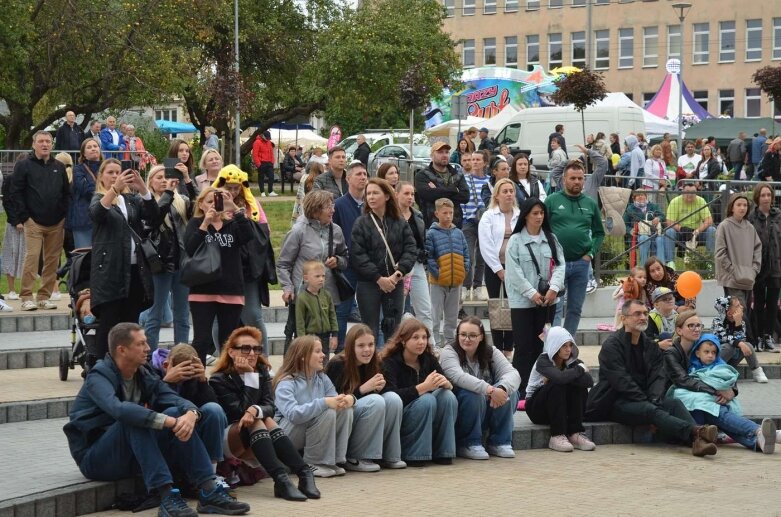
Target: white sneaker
(12,295)
(56,296)
(766,436)
(29,305)
(262,194)
(396,464)
(671,264)
(338,471)
(759,375)
(778,436)
(47,305)
(360,466)
(273,194)
(473,452)
(4,307)
(210,359)
(581,442)
(591,286)
(221,482)
(501,451)
(322,471)
(465,294)
(478,294)
(560,443)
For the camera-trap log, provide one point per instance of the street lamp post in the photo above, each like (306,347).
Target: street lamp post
(682,9)
(237,134)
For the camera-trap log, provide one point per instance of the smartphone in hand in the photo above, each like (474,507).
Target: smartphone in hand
(219,204)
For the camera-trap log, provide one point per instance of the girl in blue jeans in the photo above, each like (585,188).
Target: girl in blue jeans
(412,371)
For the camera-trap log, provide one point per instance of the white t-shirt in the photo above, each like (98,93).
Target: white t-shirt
(688,164)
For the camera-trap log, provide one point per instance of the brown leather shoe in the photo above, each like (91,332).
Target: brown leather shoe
(708,433)
(702,448)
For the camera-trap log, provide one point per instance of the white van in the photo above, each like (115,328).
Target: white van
(529,129)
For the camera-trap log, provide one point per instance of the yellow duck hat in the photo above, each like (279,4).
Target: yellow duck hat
(232,174)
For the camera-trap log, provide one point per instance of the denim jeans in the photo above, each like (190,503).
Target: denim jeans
(324,438)
(645,250)
(123,448)
(376,425)
(421,297)
(165,284)
(575,280)
(211,429)
(474,275)
(475,416)
(740,429)
(252,313)
(343,310)
(82,238)
(428,426)
(671,237)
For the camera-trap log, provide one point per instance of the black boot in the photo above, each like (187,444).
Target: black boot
(285,489)
(306,483)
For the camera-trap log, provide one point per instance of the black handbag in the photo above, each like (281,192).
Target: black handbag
(204,266)
(147,251)
(542,284)
(343,286)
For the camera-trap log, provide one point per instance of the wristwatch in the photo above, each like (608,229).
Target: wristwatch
(197,414)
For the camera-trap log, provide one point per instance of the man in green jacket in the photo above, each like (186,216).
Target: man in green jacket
(577,223)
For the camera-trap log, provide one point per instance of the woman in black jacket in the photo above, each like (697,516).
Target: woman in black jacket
(222,298)
(290,166)
(708,168)
(380,271)
(767,222)
(770,166)
(120,280)
(242,383)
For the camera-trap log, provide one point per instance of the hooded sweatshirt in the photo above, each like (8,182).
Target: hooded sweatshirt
(636,158)
(577,223)
(738,254)
(724,329)
(573,370)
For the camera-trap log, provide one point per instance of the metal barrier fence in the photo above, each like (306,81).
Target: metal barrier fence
(140,161)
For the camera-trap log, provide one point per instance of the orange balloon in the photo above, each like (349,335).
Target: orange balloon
(689,284)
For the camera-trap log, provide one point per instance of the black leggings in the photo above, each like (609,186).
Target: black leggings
(527,327)
(118,311)
(559,405)
(503,339)
(228,319)
(765,309)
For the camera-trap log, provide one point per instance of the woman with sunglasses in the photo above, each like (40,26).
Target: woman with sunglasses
(242,384)
(486,386)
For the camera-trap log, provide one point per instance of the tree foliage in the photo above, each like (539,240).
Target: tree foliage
(768,78)
(581,89)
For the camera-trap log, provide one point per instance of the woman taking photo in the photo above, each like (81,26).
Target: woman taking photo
(120,281)
(377,412)
(412,372)
(419,294)
(495,228)
(383,251)
(222,298)
(85,175)
(315,417)
(766,220)
(534,279)
(168,234)
(210,164)
(390,173)
(242,383)
(486,386)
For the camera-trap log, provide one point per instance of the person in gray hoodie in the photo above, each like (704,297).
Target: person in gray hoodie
(636,161)
(557,390)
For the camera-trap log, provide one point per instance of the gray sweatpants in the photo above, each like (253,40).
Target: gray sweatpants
(324,438)
(445,302)
(731,353)
(376,425)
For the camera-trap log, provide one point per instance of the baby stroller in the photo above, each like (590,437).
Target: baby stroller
(83,334)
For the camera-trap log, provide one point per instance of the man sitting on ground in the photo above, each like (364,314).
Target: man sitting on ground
(126,417)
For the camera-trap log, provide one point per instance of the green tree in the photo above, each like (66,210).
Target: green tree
(581,89)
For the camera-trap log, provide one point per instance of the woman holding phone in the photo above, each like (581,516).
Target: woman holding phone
(120,282)
(179,150)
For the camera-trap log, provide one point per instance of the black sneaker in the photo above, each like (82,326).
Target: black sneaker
(173,505)
(218,501)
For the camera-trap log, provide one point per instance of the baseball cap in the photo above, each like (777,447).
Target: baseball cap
(484,130)
(659,292)
(440,145)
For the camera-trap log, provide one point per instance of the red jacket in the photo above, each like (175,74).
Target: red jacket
(262,151)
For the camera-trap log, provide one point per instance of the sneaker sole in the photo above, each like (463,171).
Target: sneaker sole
(768,430)
(221,511)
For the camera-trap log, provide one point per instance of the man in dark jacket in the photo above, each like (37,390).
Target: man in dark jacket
(40,192)
(632,385)
(486,143)
(362,153)
(441,179)
(126,417)
(558,133)
(69,136)
(333,180)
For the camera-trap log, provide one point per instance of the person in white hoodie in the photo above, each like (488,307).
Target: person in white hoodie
(637,161)
(557,390)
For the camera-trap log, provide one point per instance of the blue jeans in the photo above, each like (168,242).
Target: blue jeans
(123,448)
(211,428)
(82,238)
(671,236)
(740,429)
(475,416)
(252,313)
(428,426)
(342,312)
(166,283)
(649,245)
(575,280)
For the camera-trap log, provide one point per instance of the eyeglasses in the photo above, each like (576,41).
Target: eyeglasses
(246,349)
(695,326)
(470,337)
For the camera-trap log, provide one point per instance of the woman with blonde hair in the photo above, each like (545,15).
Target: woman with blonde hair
(211,165)
(309,409)
(242,383)
(655,170)
(305,187)
(120,280)
(411,370)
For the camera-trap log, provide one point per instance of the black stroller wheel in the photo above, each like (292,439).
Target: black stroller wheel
(65,359)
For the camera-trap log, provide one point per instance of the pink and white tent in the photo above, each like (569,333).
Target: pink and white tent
(665,103)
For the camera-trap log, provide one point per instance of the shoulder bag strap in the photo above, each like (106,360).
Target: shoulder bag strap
(534,259)
(330,240)
(382,234)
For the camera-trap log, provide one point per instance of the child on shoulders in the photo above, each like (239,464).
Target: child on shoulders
(632,288)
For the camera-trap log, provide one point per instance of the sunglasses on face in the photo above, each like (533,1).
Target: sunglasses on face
(246,349)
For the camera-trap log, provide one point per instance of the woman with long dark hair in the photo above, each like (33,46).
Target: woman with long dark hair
(659,275)
(461,149)
(529,185)
(85,175)
(180,150)
(534,279)
(767,222)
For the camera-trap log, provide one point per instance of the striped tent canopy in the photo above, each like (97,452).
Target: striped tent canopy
(665,103)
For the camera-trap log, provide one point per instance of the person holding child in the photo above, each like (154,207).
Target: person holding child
(632,288)
(309,409)
(242,384)
(315,312)
(448,261)
(730,327)
(377,412)
(486,386)
(710,370)
(661,319)
(428,420)
(557,391)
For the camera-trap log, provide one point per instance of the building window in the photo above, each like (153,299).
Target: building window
(647,96)
(753,40)
(555,4)
(673,41)
(166,114)
(554,50)
(601,2)
(777,40)
(578,3)
(469,8)
(701,96)
(650,46)
(510,6)
(701,43)
(602,42)
(726,42)
(727,102)
(578,57)
(450,8)
(532,50)
(630,96)
(489,6)
(489,51)
(626,48)
(511,51)
(468,57)
(532,5)
(753,102)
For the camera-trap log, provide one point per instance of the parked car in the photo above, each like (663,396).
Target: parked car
(399,156)
(379,138)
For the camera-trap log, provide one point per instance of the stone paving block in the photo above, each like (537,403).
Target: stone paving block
(8,324)
(7,511)
(36,410)
(17,413)
(522,439)
(25,509)
(540,437)
(590,338)
(51,358)
(601,433)
(43,323)
(3,414)
(60,322)
(86,502)
(66,505)
(622,434)
(57,409)
(25,324)
(35,359)
(16,360)
(46,507)
(105,494)
(3,361)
